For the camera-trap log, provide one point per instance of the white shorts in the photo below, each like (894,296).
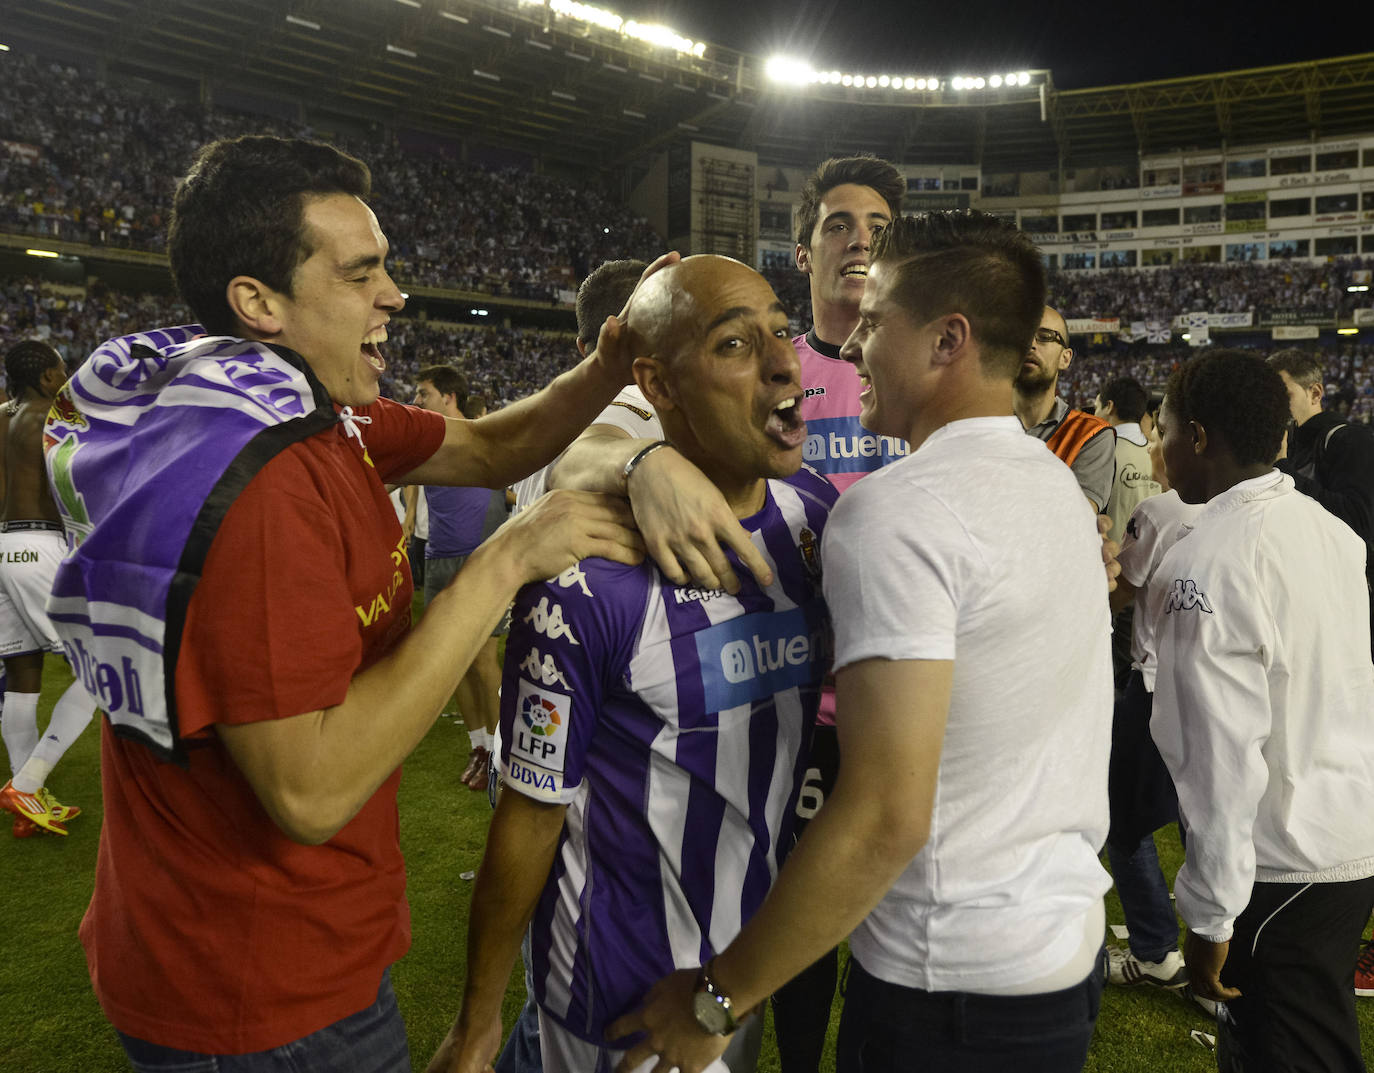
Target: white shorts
(562,1052)
(28,564)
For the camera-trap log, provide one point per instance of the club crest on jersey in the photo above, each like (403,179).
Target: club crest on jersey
(573,575)
(1186,596)
(539,734)
(542,669)
(547,618)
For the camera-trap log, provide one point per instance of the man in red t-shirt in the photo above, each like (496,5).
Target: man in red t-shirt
(251,902)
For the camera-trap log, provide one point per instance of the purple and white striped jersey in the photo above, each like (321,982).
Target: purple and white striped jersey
(672,722)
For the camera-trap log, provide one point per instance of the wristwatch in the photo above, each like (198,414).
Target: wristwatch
(711,1006)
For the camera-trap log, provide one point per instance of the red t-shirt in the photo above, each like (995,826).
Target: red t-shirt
(209,929)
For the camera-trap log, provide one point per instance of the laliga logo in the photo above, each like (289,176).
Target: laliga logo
(540,716)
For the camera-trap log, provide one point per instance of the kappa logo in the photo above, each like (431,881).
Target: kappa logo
(573,575)
(691,595)
(1185,596)
(543,669)
(547,618)
(812,392)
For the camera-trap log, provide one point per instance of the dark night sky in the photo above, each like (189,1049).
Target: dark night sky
(1082,43)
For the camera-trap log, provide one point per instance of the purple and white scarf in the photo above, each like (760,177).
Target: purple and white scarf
(147,446)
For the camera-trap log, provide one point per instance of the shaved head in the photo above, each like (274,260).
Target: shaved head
(676,307)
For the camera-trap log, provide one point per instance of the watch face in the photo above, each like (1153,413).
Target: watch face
(710,1015)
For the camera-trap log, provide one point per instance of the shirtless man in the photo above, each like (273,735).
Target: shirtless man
(31,546)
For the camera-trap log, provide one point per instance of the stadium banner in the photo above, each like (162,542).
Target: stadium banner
(1157,331)
(1210,187)
(1296,331)
(1364,318)
(1278,317)
(1169,190)
(1188,321)
(1235,226)
(1199,336)
(567,297)
(1240,197)
(29,154)
(1094,325)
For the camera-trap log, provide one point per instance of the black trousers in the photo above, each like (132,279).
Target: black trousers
(1292,958)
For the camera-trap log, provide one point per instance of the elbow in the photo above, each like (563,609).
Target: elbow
(308,821)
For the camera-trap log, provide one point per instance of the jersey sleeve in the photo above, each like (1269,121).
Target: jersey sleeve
(1095,468)
(271,631)
(630,412)
(400,437)
(1138,547)
(571,639)
(899,598)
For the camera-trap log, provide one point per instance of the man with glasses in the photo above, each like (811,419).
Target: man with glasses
(1085,443)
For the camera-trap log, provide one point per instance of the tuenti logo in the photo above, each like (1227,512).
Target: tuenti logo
(117,689)
(819,446)
(749,658)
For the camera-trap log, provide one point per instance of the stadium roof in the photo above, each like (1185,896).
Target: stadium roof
(513,74)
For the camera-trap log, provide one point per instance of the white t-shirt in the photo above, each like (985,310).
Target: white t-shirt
(1155,525)
(629,410)
(980,548)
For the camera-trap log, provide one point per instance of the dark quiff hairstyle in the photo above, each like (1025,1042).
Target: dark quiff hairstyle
(240,211)
(969,263)
(1302,368)
(1236,397)
(1130,397)
(870,171)
(447,381)
(604,294)
(25,364)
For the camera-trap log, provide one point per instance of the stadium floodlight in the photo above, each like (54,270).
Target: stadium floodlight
(6,48)
(1355,288)
(995,81)
(533,42)
(979,83)
(908,83)
(498,31)
(409,3)
(40,253)
(296,20)
(870,82)
(847,80)
(654,34)
(957,82)
(399,51)
(789,71)
(1347,331)
(834,77)
(884,81)
(561,95)
(479,312)
(1023,79)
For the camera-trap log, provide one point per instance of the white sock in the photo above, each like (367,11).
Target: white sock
(70,716)
(475,737)
(486,739)
(19,727)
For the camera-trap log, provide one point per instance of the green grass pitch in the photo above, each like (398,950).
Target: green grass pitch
(50,1023)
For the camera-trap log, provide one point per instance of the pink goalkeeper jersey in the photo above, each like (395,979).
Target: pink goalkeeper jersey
(836,444)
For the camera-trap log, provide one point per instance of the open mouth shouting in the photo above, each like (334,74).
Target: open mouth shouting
(372,351)
(785,424)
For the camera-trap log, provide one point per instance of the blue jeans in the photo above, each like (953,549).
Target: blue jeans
(887,1028)
(522,1053)
(372,1040)
(1144,900)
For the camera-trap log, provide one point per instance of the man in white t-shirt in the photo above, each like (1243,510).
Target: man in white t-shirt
(960,844)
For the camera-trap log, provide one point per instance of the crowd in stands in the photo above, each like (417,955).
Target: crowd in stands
(97,163)
(503,364)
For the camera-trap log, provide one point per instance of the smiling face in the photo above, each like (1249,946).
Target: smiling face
(341,299)
(837,259)
(723,375)
(885,349)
